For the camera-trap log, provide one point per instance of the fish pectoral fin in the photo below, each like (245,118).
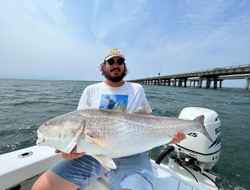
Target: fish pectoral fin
(97,142)
(105,161)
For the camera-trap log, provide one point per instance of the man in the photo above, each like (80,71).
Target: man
(77,170)
(111,103)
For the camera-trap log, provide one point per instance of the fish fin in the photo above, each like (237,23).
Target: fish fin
(105,161)
(69,148)
(109,110)
(97,142)
(140,112)
(201,118)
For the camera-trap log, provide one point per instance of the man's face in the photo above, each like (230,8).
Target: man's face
(115,72)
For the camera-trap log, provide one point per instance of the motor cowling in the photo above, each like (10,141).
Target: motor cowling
(196,146)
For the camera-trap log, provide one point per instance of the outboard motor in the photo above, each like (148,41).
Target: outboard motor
(196,146)
(197,154)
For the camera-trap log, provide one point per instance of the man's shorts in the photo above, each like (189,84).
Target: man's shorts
(132,172)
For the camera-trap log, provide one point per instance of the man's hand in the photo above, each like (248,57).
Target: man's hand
(178,137)
(71,156)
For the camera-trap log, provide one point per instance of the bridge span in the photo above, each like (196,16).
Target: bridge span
(216,75)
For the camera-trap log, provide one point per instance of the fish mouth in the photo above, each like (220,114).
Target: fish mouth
(41,138)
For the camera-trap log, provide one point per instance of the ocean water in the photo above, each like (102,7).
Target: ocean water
(26,104)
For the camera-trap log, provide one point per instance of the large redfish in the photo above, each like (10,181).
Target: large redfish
(107,134)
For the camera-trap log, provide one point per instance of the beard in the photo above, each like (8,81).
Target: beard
(116,78)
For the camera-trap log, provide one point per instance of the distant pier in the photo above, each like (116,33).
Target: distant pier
(216,75)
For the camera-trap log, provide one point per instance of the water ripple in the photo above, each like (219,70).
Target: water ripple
(26,104)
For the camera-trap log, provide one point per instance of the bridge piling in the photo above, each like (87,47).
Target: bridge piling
(169,82)
(185,82)
(221,84)
(208,82)
(179,83)
(194,83)
(247,83)
(174,84)
(200,82)
(159,82)
(215,82)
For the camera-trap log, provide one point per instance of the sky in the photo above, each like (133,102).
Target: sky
(67,39)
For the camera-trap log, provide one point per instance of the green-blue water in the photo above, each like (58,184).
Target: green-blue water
(26,104)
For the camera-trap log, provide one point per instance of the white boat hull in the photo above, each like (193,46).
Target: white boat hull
(23,172)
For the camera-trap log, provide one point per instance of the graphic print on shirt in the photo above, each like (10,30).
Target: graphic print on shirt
(114,101)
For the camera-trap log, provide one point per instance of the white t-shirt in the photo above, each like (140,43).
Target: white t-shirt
(130,97)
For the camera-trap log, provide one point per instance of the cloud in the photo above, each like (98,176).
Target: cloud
(68,39)
(38,42)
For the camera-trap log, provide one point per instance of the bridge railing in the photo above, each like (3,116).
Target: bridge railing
(239,75)
(207,70)
(216,68)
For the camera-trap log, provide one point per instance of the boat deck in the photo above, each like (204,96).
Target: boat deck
(23,172)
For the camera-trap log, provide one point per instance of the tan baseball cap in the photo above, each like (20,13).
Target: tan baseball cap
(113,53)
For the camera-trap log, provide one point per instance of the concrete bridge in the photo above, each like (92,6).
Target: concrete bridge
(216,75)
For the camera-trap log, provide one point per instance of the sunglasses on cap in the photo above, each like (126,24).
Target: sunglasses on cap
(112,61)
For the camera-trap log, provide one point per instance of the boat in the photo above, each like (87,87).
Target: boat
(189,164)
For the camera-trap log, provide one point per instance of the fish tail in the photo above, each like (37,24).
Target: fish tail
(201,118)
